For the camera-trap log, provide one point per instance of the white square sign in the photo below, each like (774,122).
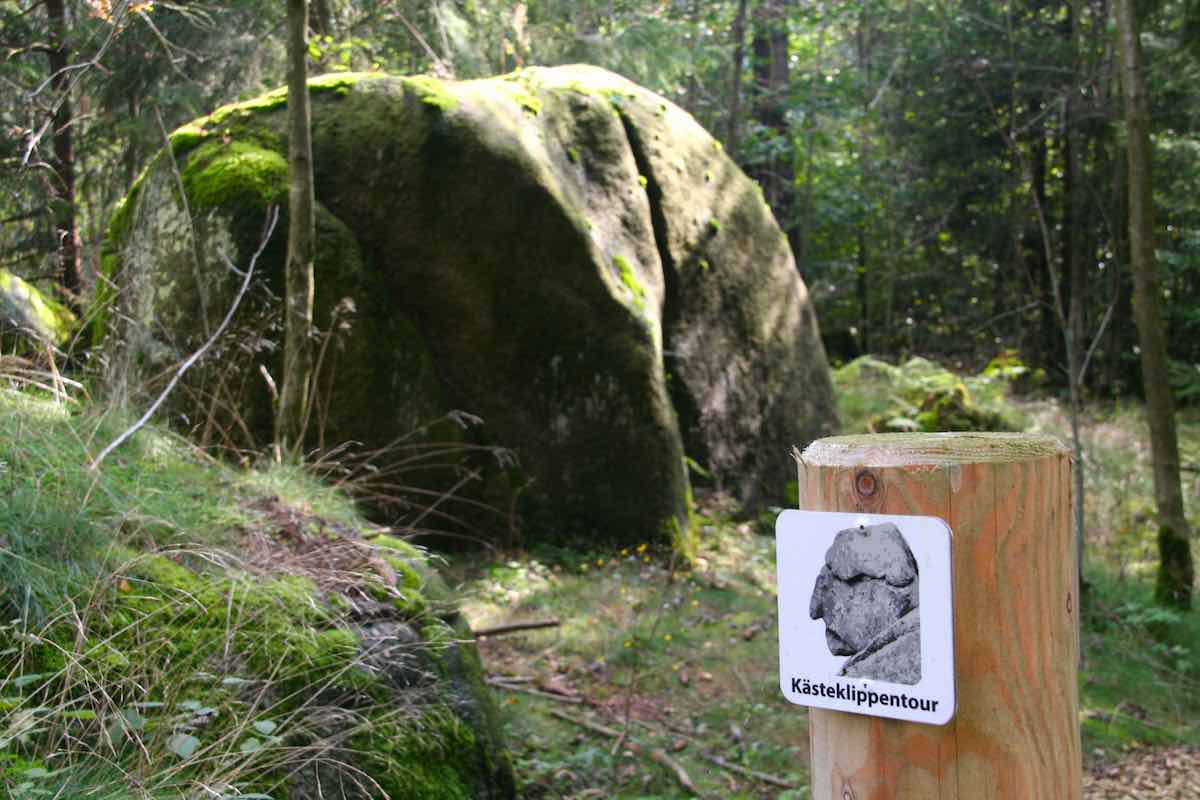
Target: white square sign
(866,623)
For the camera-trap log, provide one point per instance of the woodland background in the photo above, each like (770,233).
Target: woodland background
(938,166)
(953,178)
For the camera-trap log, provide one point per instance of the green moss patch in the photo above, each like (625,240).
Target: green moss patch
(31,314)
(186,138)
(630,281)
(235,173)
(432,92)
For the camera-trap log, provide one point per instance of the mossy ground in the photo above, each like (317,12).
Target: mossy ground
(191,625)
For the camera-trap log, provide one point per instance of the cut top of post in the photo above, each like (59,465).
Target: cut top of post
(932,449)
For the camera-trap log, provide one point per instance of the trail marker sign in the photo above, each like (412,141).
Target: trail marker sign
(866,614)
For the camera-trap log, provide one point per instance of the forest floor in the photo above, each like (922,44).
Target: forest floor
(662,683)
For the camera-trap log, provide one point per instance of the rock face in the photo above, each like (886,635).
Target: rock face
(558,251)
(27,316)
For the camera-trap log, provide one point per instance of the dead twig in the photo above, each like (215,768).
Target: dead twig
(562,698)
(724,764)
(511,679)
(656,755)
(661,757)
(194,357)
(517,626)
(749,773)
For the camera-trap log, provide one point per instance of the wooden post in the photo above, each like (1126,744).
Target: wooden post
(1007,499)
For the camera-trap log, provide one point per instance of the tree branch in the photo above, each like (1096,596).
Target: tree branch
(517,626)
(194,357)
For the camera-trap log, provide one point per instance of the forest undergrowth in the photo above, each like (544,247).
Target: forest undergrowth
(651,679)
(662,682)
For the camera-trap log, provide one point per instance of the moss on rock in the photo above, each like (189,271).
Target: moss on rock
(260,658)
(220,173)
(30,316)
(475,224)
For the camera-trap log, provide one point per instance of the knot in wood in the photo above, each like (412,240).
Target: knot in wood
(865,483)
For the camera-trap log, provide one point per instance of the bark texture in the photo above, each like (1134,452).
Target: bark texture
(66,227)
(298,272)
(1176,572)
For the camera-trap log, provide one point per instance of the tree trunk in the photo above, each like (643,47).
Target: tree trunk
(322,18)
(733,127)
(1175,570)
(1048,339)
(863,53)
(862,287)
(1076,262)
(775,176)
(297,354)
(66,227)
(804,224)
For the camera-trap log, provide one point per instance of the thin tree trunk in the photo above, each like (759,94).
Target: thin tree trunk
(1175,571)
(804,223)
(734,125)
(1074,241)
(863,47)
(297,353)
(770,108)
(322,18)
(863,291)
(1048,338)
(66,227)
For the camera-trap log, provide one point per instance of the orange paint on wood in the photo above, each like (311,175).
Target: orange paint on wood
(1015,735)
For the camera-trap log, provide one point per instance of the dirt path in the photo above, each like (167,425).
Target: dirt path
(1172,773)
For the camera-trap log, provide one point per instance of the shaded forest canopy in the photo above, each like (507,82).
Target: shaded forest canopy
(939,167)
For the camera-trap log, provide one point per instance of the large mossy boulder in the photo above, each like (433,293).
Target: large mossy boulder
(558,251)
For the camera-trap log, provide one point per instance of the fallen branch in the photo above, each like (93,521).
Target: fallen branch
(656,755)
(749,773)
(681,775)
(763,777)
(194,357)
(510,679)
(562,698)
(594,727)
(516,626)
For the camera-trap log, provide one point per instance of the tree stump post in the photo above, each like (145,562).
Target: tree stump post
(1007,500)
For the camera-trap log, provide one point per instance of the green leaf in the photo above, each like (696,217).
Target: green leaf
(79,714)
(251,745)
(197,709)
(265,726)
(25,680)
(133,719)
(183,745)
